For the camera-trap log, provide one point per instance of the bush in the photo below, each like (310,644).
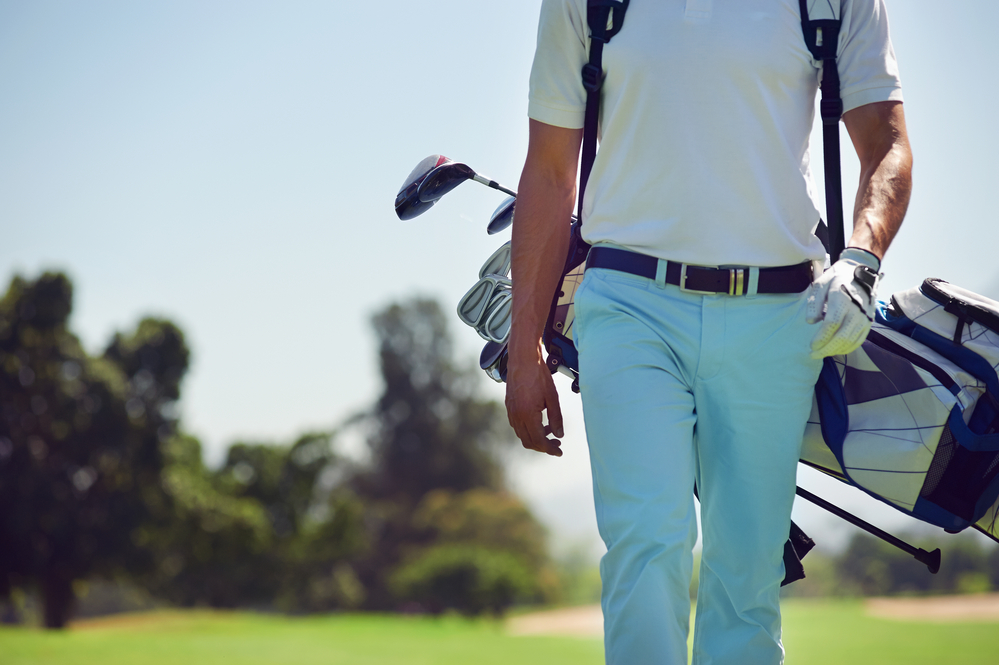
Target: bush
(468,578)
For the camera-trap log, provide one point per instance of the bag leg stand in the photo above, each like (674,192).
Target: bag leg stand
(930,559)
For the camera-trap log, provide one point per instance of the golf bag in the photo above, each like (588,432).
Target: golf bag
(912,417)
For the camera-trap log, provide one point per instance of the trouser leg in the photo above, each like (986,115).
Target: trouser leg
(639,414)
(753,394)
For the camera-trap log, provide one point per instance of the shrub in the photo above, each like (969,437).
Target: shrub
(468,578)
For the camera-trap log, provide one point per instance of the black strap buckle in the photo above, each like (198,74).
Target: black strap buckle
(831,110)
(593,78)
(829,29)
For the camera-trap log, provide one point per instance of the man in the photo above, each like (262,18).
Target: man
(706,113)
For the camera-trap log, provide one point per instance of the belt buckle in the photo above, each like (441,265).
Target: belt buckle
(736,281)
(683,282)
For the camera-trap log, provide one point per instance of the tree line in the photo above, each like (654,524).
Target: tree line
(98,480)
(872,567)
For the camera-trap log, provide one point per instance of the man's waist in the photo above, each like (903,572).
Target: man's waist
(731,280)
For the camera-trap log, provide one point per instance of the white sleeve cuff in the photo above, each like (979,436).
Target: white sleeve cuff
(860,98)
(569,118)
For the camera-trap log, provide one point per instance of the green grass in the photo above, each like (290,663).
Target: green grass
(828,632)
(200,638)
(816,633)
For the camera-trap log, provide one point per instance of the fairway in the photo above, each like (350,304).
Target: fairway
(822,632)
(202,638)
(828,632)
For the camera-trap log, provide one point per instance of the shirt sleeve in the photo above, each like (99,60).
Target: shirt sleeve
(557,96)
(868,70)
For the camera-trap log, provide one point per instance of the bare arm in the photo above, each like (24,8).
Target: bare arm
(882,144)
(545,198)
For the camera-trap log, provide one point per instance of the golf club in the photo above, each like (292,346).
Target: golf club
(503,217)
(498,263)
(495,326)
(474,305)
(492,360)
(432,178)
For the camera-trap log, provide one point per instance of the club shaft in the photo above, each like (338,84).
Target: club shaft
(495,185)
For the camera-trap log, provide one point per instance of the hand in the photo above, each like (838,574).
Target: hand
(530,390)
(843,299)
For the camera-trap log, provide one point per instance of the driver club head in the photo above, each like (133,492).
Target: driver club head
(442,179)
(408,203)
(502,217)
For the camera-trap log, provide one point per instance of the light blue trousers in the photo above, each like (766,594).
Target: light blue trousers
(679,387)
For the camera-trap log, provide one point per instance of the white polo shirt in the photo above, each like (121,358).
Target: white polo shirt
(706,113)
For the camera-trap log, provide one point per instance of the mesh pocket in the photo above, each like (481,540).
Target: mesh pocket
(958,477)
(945,451)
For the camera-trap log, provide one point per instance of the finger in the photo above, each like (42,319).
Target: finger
(825,333)
(531,435)
(848,338)
(856,329)
(554,413)
(816,299)
(534,438)
(836,311)
(545,445)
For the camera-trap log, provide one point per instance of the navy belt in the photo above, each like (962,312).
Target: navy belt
(699,279)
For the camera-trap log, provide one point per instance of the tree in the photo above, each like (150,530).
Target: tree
(873,567)
(261,531)
(317,527)
(79,441)
(207,545)
(431,431)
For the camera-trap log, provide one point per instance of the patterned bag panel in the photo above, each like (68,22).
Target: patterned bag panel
(989,523)
(897,412)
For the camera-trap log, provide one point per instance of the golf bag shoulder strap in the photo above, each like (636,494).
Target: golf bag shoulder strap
(821,26)
(598,14)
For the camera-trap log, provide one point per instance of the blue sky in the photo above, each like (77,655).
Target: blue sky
(231,166)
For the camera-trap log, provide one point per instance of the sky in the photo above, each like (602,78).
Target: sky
(231,166)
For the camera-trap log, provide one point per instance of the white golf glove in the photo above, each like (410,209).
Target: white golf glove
(843,299)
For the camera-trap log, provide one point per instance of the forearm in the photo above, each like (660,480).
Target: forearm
(885,178)
(545,199)
(540,244)
(539,250)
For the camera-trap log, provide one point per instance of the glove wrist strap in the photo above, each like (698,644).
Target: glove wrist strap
(863,257)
